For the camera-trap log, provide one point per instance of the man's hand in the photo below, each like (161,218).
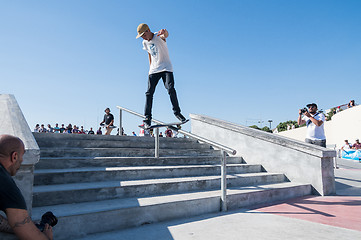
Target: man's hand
(307,114)
(163,34)
(48,231)
(24,228)
(4,225)
(300,121)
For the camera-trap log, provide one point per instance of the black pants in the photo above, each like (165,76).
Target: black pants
(321,143)
(168,81)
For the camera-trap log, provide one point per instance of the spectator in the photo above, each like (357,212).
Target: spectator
(168,133)
(91,131)
(62,129)
(12,201)
(160,134)
(37,127)
(99,132)
(108,121)
(288,127)
(50,129)
(356,145)
(120,133)
(351,104)
(42,128)
(82,130)
(346,146)
(315,125)
(56,128)
(75,129)
(134,134)
(69,128)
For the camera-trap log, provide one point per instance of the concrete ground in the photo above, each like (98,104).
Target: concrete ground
(311,217)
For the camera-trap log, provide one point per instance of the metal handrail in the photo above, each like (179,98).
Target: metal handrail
(224,150)
(186,133)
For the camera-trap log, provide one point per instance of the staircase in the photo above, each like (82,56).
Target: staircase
(106,183)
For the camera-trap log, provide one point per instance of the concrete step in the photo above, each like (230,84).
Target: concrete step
(93,174)
(78,220)
(93,143)
(80,137)
(79,162)
(83,140)
(95,191)
(122,152)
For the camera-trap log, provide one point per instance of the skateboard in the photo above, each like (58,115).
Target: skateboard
(105,126)
(173,125)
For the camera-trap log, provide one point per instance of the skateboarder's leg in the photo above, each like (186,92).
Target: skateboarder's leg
(153,80)
(109,130)
(168,80)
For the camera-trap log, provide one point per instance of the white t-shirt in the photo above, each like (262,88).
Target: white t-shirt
(315,132)
(158,50)
(346,146)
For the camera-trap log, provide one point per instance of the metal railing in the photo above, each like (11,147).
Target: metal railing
(224,150)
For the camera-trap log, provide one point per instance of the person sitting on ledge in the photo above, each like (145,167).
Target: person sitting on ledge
(351,104)
(12,201)
(347,146)
(356,145)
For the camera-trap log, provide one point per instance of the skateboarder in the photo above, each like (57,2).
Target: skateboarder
(160,67)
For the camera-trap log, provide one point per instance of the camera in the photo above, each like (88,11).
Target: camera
(47,218)
(303,110)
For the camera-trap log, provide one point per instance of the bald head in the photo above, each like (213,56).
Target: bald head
(10,144)
(11,153)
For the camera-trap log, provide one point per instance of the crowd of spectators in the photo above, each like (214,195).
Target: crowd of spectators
(70,129)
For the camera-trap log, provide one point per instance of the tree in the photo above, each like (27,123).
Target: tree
(266,129)
(255,127)
(283,125)
(330,114)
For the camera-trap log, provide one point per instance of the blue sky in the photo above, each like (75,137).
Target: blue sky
(242,61)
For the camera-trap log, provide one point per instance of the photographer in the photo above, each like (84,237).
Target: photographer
(12,201)
(314,121)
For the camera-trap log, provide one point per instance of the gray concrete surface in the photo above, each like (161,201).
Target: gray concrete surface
(250,224)
(243,224)
(13,122)
(299,161)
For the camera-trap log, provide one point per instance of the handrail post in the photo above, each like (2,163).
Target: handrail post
(224,181)
(120,122)
(156,143)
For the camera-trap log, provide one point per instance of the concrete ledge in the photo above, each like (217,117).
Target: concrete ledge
(12,121)
(299,161)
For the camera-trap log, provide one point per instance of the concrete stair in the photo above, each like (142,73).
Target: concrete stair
(105,183)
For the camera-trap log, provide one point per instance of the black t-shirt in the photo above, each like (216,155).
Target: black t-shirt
(91,132)
(108,118)
(10,195)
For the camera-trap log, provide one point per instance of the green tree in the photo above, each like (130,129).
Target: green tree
(330,114)
(266,129)
(283,125)
(255,127)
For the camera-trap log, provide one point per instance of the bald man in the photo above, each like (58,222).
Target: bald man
(11,200)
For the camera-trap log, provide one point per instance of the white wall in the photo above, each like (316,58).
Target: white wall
(344,125)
